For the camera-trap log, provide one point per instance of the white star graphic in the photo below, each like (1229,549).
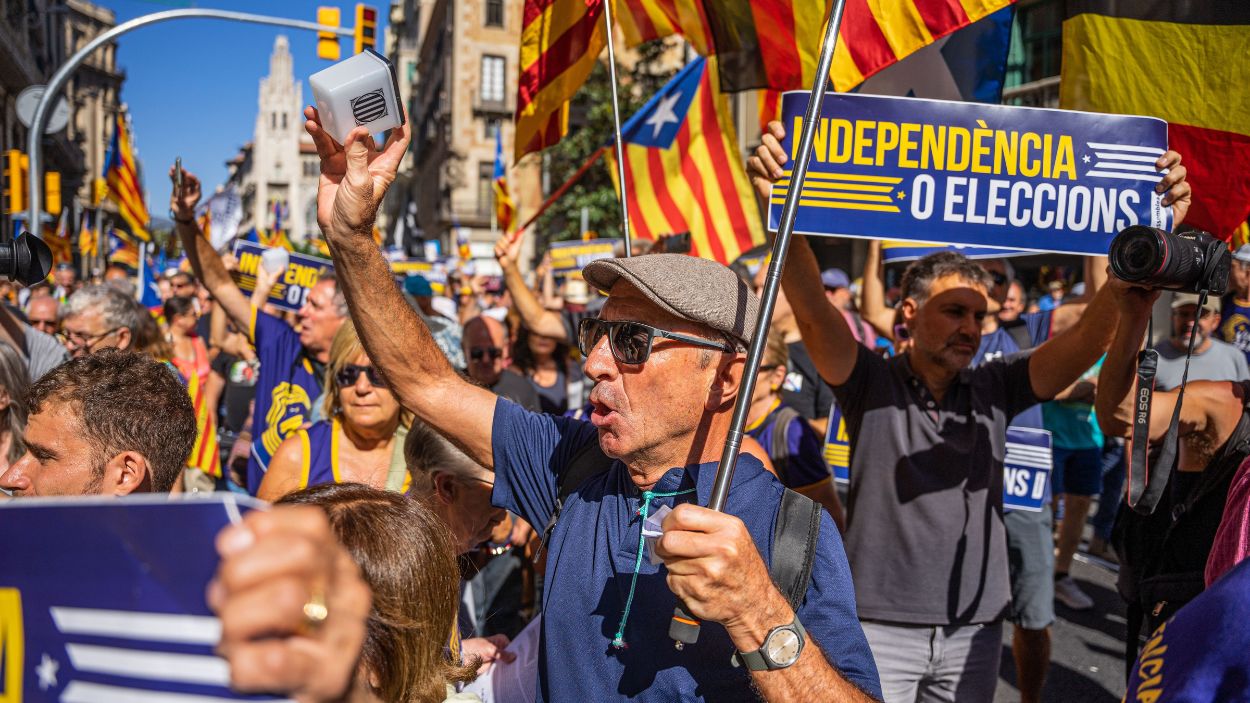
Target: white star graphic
(46,671)
(1085,159)
(663,114)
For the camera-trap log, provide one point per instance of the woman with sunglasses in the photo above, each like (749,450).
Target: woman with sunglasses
(361,441)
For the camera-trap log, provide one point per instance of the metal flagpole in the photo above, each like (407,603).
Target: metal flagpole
(684,628)
(616,126)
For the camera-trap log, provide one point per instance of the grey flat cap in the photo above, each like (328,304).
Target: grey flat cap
(694,289)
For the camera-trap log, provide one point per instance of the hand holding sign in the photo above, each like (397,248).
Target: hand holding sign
(354,176)
(274,566)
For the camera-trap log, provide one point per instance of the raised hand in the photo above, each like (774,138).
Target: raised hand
(354,176)
(1173,186)
(184,207)
(765,167)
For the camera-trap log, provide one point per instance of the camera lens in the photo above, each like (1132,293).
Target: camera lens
(1137,254)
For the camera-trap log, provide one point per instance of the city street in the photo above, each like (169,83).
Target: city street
(1086,647)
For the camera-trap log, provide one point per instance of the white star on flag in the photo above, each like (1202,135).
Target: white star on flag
(663,114)
(46,671)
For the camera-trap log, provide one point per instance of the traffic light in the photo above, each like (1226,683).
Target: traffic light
(14,181)
(366,27)
(328,42)
(52,192)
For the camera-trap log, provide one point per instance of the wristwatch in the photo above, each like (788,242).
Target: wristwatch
(782,648)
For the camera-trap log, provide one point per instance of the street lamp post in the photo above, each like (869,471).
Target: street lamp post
(34,146)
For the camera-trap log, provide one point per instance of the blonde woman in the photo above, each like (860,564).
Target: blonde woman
(361,441)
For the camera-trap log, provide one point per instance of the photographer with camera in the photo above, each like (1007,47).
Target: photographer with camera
(1163,554)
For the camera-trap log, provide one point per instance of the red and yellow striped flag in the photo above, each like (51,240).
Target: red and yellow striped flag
(205,454)
(560,42)
(775,43)
(682,168)
(1110,65)
(122,176)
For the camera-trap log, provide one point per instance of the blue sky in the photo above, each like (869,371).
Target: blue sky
(192,85)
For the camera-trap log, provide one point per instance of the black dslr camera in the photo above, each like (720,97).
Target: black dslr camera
(1190,261)
(27,259)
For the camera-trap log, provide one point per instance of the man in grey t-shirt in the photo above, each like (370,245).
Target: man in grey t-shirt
(1213,360)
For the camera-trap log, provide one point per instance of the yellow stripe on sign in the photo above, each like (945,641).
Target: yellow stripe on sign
(853,177)
(861,197)
(840,205)
(859,187)
(902,25)
(12,645)
(1134,80)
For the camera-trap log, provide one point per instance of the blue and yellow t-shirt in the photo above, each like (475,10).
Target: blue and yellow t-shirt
(285,391)
(1235,324)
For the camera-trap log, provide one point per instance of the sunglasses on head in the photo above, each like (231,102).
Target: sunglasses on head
(479,353)
(349,374)
(630,342)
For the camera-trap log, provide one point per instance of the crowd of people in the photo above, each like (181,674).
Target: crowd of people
(452,467)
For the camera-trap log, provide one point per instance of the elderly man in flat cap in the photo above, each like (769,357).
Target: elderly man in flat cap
(667,357)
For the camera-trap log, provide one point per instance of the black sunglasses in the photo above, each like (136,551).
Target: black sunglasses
(478,353)
(630,342)
(349,374)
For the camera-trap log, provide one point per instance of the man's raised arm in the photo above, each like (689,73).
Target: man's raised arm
(204,259)
(354,178)
(826,335)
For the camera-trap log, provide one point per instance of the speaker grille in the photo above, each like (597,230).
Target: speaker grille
(369,107)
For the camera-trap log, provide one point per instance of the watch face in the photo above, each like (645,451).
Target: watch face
(783,647)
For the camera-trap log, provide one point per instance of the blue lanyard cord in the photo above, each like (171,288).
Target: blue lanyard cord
(618,642)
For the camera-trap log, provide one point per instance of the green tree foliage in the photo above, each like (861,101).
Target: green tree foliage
(590,127)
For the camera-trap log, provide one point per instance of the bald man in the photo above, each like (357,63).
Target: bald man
(488,353)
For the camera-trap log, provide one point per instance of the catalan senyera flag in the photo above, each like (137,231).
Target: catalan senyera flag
(1185,63)
(88,244)
(560,42)
(682,168)
(122,176)
(505,210)
(58,240)
(205,454)
(276,238)
(776,43)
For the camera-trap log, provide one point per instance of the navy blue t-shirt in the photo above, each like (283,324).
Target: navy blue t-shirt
(591,556)
(1000,343)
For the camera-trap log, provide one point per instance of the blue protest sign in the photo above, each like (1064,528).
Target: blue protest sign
(1026,468)
(302,273)
(980,175)
(103,599)
(568,258)
(894,252)
(837,445)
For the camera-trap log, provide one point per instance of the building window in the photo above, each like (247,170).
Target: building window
(485,187)
(310,168)
(492,128)
(284,121)
(492,79)
(273,120)
(494,13)
(1037,43)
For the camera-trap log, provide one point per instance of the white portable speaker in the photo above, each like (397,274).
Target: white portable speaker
(355,92)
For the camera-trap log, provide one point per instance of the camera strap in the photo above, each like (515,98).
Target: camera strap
(1146,482)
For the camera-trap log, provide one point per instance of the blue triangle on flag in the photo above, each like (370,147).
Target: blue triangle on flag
(657,123)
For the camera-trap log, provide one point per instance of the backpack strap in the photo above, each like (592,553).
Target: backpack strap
(779,449)
(587,462)
(794,545)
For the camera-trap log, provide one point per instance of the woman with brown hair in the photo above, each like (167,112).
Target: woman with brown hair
(405,555)
(361,441)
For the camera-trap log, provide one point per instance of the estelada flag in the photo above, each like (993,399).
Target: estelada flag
(776,43)
(560,42)
(122,176)
(683,172)
(504,207)
(1185,62)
